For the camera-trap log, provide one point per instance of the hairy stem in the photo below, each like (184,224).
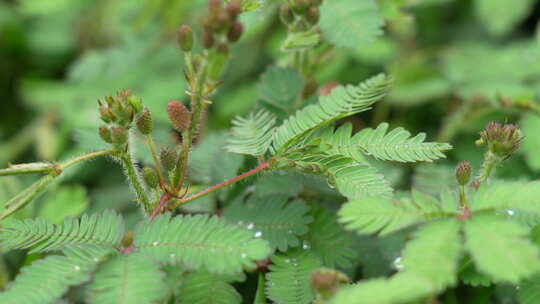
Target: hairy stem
(135,181)
(164,198)
(25,197)
(261,167)
(152,147)
(490,163)
(85,157)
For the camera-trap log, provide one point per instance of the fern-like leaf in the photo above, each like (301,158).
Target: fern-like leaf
(127,279)
(46,280)
(105,229)
(273,219)
(352,178)
(207,288)
(199,242)
(522,196)
(397,145)
(435,252)
(330,241)
(252,135)
(529,291)
(501,249)
(288,279)
(342,102)
(378,215)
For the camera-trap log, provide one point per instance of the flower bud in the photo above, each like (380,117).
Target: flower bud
(234,8)
(105,114)
(150,177)
(221,22)
(214,6)
(286,14)
(463,173)
(207,38)
(501,140)
(179,115)
(300,6)
(235,32)
(144,122)
(185,38)
(119,135)
(313,15)
(105,134)
(326,281)
(167,158)
(135,102)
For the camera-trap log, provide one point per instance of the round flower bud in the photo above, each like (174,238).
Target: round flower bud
(144,122)
(235,32)
(207,38)
(234,8)
(135,102)
(326,281)
(179,115)
(185,38)
(167,158)
(119,135)
(463,173)
(214,6)
(313,15)
(105,134)
(286,14)
(150,177)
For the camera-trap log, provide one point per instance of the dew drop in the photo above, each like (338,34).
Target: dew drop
(243,255)
(250,226)
(240,223)
(289,231)
(397,263)
(510,212)
(155,243)
(77,267)
(287,260)
(306,245)
(172,255)
(258,234)
(96,260)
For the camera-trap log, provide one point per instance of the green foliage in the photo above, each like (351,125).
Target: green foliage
(383,216)
(499,16)
(491,240)
(397,145)
(127,279)
(288,279)
(530,124)
(342,102)
(279,89)
(252,135)
(199,242)
(350,23)
(529,291)
(104,229)
(272,218)
(64,202)
(204,287)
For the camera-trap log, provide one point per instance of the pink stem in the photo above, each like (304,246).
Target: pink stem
(164,198)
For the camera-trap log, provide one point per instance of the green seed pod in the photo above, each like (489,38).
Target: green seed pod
(119,135)
(313,15)
(179,115)
(150,177)
(286,14)
(105,134)
(207,38)
(185,38)
(167,158)
(144,122)
(234,8)
(463,173)
(235,32)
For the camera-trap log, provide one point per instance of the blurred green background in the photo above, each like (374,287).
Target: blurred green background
(457,64)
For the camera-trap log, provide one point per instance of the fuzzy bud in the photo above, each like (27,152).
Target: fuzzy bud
(144,122)
(167,158)
(185,38)
(135,102)
(234,8)
(300,6)
(214,6)
(235,32)
(313,15)
(501,140)
(221,22)
(179,115)
(119,135)
(286,14)
(105,114)
(150,177)
(105,134)
(463,173)
(326,281)
(207,38)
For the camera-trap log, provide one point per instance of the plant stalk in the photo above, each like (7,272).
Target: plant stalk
(135,181)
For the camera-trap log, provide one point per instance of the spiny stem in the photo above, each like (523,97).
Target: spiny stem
(157,164)
(135,181)
(86,157)
(164,198)
(490,162)
(262,166)
(23,198)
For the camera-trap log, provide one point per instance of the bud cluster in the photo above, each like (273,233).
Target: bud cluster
(221,26)
(501,140)
(301,14)
(118,112)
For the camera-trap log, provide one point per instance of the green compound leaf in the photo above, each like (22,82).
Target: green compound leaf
(204,287)
(500,16)
(127,279)
(278,89)
(272,218)
(500,248)
(434,252)
(397,145)
(330,241)
(378,215)
(199,242)
(529,291)
(342,102)
(252,135)
(105,229)
(288,279)
(351,23)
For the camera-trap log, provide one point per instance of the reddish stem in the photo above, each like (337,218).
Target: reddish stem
(164,198)
(127,250)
